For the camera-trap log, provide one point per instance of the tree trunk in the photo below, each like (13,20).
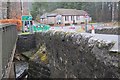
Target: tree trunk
(118,11)
(8,10)
(113,10)
(103,12)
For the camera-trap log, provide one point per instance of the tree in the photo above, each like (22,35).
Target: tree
(99,11)
(40,8)
(8,9)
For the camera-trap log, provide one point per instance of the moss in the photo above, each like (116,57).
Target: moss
(41,55)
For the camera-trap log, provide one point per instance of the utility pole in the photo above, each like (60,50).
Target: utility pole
(86,21)
(21,15)
(21,3)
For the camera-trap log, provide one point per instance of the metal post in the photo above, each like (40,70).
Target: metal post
(21,15)
(86,25)
(30,26)
(23,26)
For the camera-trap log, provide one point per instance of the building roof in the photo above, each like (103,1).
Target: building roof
(52,14)
(64,12)
(44,16)
(68,12)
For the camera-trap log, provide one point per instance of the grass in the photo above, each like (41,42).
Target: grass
(118,23)
(25,33)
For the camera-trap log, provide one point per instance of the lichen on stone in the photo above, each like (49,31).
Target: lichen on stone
(41,55)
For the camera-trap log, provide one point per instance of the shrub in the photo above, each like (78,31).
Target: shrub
(13,21)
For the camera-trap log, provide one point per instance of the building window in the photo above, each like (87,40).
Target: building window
(66,18)
(77,18)
(72,18)
(42,20)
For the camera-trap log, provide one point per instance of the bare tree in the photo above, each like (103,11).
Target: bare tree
(8,9)
(113,10)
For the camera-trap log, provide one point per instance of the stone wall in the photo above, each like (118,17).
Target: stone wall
(26,42)
(72,55)
(115,31)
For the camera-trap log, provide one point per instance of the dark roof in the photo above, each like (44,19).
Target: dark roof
(68,12)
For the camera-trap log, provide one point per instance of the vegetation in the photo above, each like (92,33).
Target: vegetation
(99,11)
(13,21)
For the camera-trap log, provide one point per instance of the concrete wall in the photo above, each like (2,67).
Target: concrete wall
(8,37)
(77,56)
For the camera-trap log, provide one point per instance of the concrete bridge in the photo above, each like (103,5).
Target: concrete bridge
(73,55)
(70,55)
(8,38)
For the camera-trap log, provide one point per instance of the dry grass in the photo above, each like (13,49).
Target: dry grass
(118,23)
(113,24)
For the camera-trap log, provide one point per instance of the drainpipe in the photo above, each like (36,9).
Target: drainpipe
(85,25)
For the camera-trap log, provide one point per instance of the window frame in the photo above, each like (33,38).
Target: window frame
(77,17)
(72,18)
(66,18)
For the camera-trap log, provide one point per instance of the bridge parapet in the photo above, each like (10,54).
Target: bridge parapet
(74,55)
(8,37)
(108,30)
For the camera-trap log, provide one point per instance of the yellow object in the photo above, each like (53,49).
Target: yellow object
(44,58)
(41,54)
(24,33)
